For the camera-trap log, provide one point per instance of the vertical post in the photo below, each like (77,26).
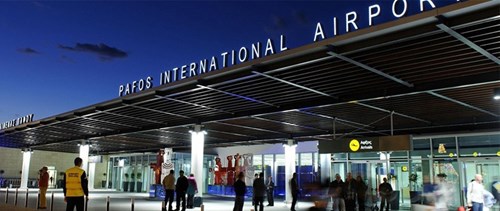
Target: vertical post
(52,202)
(197,147)
(26,201)
(289,167)
(7,196)
(15,199)
(84,155)
(392,123)
(38,201)
(334,128)
(132,204)
(25,168)
(107,203)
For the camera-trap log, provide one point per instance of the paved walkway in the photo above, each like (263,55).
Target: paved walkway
(120,201)
(11,207)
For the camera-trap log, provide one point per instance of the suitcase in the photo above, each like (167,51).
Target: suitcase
(197,201)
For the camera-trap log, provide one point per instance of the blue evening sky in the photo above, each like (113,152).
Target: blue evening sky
(57,56)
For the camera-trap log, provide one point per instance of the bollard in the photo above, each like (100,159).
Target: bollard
(132,204)
(52,202)
(202,207)
(26,201)
(163,206)
(107,203)
(7,196)
(15,200)
(38,201)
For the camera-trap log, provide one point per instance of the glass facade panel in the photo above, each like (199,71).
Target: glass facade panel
(257,164)
(444,147)
(479,146)
(421,148)
(364,155)
(269,166)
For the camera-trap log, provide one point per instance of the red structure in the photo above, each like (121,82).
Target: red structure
(237,168)
(226,175)
(219,171)
(230,170)
(157,166)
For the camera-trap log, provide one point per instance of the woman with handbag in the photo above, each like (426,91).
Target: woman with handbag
(475,191)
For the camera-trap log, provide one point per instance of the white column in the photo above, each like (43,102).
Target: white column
(84,155)
(326,166)
(197,146)
(91,175)
(25,171)
(289,167)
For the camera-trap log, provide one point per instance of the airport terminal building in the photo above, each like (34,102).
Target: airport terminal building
(403,90)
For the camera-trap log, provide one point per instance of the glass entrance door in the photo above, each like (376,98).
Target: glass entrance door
(373,173)
(491,176)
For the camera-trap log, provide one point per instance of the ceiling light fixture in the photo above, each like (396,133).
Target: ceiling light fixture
(496,94)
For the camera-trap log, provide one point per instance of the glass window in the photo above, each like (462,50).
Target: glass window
(268,165)
(421,148)
(280,175)
(364,155)
(444,147)
(257,163)
(306,159)
(479,146)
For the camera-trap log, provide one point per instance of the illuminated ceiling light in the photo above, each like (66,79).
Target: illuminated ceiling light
(496,94)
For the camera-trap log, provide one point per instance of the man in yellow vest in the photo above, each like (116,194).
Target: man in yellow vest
(75,186)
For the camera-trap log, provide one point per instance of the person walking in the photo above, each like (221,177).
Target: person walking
(295,191)
(191,190)
(255,176)
(475,190)
(336,192)
(361,191)
(385,191)
(180,191)
(350,193)
(259,192)
(270,191)
(169,185)
(239,189)
(43,184)
(75,186)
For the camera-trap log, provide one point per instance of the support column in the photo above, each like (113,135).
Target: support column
(197,146)
(25,171)
(326,166)
(91,176)
(84,155)
(289,167)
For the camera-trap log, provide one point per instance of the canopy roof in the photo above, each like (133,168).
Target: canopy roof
(434,72)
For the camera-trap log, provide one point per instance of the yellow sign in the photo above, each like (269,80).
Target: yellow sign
(354,145)
(451,154)
(498,153)
(404,168)
(474,154)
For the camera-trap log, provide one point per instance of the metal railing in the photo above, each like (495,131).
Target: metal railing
(16,192)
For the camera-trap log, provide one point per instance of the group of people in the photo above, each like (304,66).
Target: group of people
(75,186)
(261,189)
(345,194)
(181,187)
